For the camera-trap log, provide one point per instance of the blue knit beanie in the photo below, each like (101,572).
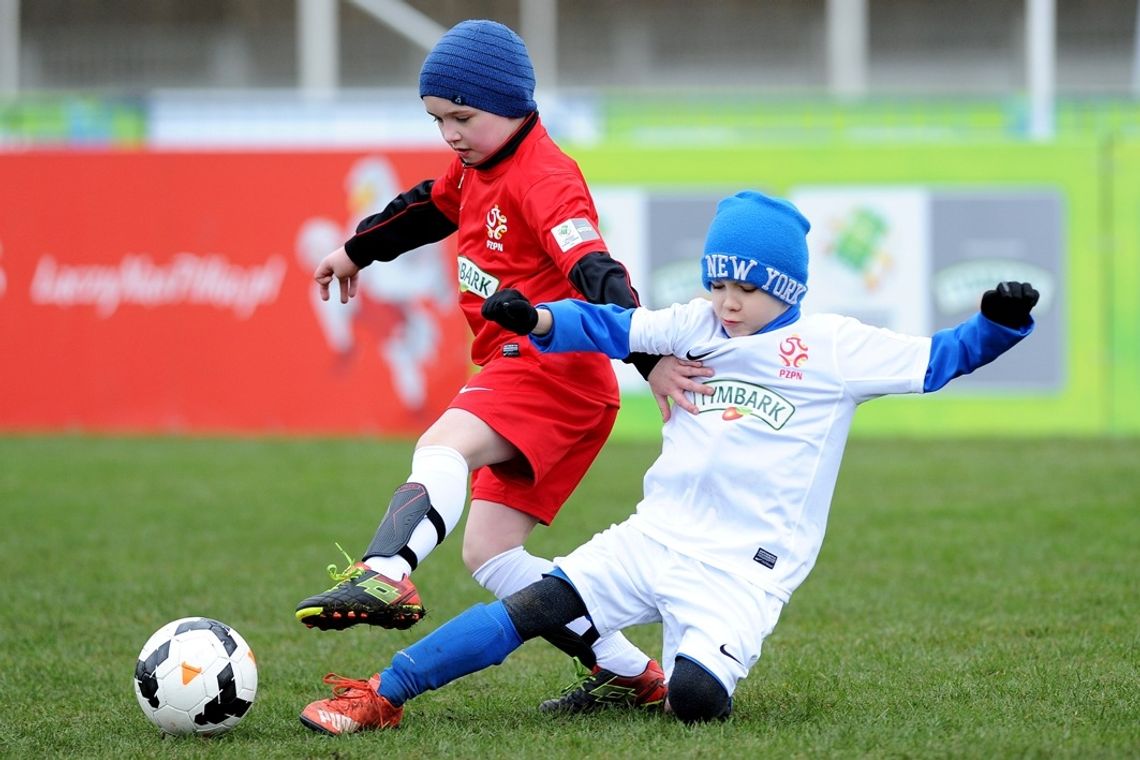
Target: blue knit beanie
(761,240)
(481,64)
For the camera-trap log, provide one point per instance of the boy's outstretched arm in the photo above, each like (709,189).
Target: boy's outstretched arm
(1004,320)
(670,379)
(562,326)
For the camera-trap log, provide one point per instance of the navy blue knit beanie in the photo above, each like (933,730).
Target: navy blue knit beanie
(761,240)
(481,64)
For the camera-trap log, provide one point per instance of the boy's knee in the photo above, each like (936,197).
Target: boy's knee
(474,557)
(478,550)
(695,695)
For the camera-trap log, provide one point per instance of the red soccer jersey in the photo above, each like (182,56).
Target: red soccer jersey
(523,223)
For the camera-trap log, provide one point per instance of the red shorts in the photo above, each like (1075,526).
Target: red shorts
(557,413)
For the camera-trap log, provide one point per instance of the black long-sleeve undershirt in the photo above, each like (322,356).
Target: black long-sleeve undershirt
(408,222)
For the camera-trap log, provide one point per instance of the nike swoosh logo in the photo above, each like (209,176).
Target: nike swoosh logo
(726,654)
(698,357)
(466,389)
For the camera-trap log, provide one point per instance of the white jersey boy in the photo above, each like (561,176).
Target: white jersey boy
(745,485)
(735,507)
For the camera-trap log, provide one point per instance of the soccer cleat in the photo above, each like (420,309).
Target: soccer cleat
(355,706)
(598,688)
(362,596)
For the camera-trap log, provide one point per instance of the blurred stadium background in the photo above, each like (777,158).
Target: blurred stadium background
(169,171)
(969,48)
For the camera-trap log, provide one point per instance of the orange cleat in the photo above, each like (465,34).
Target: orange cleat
(354,706)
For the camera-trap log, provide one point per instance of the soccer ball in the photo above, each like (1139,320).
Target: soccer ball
(195,676)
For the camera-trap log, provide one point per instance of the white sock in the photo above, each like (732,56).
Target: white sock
(615,652)
(517,568)
(443,472)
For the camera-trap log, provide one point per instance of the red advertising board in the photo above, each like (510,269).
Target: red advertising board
(173,292)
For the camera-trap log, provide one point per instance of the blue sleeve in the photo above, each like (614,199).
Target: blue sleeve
(581,326)
(972,344)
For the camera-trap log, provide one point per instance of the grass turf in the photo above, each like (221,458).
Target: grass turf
(973,599)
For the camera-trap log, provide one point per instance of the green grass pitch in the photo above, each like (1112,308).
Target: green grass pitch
(973,599)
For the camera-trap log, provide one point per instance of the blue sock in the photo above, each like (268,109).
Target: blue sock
(478,638)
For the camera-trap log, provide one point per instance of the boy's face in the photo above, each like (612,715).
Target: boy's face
(742,308)
(471,133)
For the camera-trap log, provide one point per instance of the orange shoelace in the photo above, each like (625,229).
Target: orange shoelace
(342,687)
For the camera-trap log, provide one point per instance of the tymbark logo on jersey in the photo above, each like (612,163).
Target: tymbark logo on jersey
(474,280)
(737,399)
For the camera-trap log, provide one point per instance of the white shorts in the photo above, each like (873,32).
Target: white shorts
(709,616)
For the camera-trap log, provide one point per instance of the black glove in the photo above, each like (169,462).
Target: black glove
(1009,304)
(511,310)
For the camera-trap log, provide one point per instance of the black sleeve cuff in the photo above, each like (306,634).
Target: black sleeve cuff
(602,279)
(643,362)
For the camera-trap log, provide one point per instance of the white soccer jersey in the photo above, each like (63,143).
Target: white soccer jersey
(746,484)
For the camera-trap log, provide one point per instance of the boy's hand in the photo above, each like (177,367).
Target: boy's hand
(510,309)
(337,266)
(1009,304)
(671,377)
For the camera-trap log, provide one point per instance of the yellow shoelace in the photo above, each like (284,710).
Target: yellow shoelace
(347,574)
(581,675)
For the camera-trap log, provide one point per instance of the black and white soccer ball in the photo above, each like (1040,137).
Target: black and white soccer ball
(195,675)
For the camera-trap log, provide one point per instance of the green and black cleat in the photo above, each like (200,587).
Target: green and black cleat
(597,689)
(362,596)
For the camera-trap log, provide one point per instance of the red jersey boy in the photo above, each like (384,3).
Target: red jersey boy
(527,426)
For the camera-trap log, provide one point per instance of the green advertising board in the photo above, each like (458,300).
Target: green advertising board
(1068,176)
(1122,277)
(72,121)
